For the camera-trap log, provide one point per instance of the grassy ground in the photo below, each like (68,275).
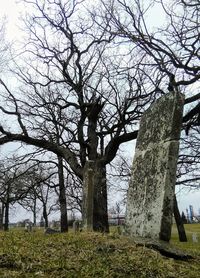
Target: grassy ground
(190,246)
(90,255)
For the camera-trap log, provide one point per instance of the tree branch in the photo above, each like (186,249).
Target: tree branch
(66,153)
(113,145)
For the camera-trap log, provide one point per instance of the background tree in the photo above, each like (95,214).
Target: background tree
(12,187)
(49,171)
(4,47)
(39,193)
(173,48)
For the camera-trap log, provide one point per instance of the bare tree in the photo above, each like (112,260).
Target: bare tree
(4,47)
(173,50)
(189,160)
(13,187)
(39,194)
(47,174)
(76,77)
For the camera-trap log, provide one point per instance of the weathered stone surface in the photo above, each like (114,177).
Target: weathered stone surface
(88,195)
(151,189)
(94,196)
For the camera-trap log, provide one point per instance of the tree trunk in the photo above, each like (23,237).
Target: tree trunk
(6,223)
(62,197)
(45,215)
(95,181)
(179,222)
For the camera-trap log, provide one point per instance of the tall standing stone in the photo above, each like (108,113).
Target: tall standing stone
(94,209)
(151,189)
(88,196)
(1,215)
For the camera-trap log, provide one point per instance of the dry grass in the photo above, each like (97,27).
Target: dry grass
(90,255)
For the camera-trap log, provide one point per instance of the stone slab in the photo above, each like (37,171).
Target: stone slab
(88,193)
(151,188)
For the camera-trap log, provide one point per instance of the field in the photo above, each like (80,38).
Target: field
(79,255)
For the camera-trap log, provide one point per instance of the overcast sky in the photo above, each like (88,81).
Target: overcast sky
(11,10)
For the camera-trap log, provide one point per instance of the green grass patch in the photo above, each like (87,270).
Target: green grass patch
(90,255)
(190,246)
